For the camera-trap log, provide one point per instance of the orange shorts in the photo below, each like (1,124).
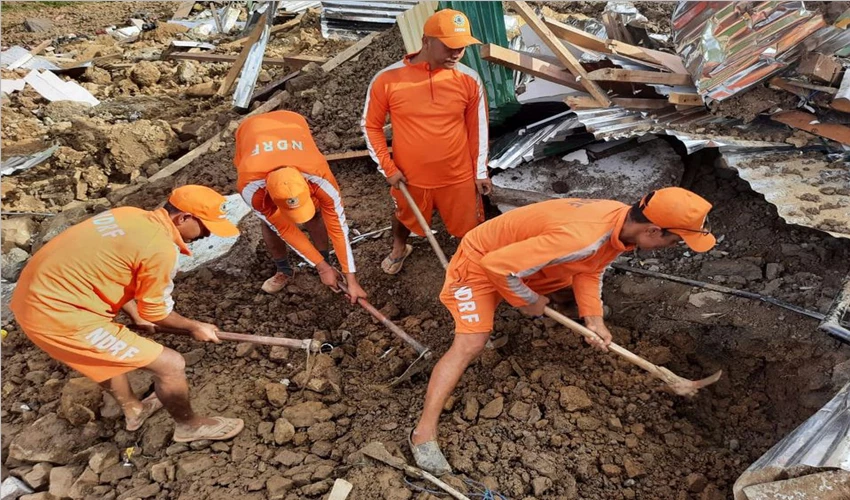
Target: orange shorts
(99,353)
(459,205)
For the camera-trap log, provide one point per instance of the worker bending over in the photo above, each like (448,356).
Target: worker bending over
(438,111)
(284,178)
(71,290)
(527,253)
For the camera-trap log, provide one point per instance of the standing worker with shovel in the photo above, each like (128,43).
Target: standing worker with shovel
(540,249)
(125,258)
(284,177)
(438,111)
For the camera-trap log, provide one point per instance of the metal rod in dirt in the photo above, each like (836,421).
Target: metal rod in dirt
(721,289)
(312,345)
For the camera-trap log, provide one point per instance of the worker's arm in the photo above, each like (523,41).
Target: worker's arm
(477,126)
(587,288)
(373,120)
(294,237)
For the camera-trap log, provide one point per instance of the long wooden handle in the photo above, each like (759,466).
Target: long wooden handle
(312,345)
(424,225)
(591,335)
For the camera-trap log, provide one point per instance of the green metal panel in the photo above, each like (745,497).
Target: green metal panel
(488,25)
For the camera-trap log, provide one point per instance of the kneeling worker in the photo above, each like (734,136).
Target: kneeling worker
(284,177)
(540,249)
(70,292)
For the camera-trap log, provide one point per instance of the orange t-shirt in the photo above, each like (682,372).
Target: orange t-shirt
(571,239)
(82,277)
(439,121)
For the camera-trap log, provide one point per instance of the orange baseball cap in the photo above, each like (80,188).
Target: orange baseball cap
(207,205)
(291,194)
(450,27)
(681,212)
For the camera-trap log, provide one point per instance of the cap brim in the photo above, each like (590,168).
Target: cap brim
(697,242)
(301,215)
(221,227)
(459,41)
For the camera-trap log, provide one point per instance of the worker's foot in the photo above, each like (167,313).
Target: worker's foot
(393,266)
(217,429)
(275,283)
(150,405)
(428,456)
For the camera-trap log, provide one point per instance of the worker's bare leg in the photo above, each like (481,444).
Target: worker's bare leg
(465,348)
(318,233)
(400,234)
(172,388)
(119,388)
(276,246)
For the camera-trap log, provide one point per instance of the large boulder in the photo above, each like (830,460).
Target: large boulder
(80,401)
(50,439)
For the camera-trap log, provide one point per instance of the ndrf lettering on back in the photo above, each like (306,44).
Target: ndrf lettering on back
(279,145)
(104,341)
(466,304)
(106,225)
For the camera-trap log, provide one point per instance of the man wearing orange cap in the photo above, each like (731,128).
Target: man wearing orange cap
(527,253)
(284,177)
(125,258)
(438,110)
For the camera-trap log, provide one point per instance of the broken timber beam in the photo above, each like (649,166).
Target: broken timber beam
(636,76)
(576,36)
(349,52)
(242,57)
(350,155)
(685,99)
(528,64)
(811,124)
(240,42)
(298,61)
(587,102)
(561,52)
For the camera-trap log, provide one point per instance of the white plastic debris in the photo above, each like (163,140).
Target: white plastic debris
(53,88)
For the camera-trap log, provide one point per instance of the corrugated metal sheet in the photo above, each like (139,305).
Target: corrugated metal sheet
(487,20)
(349,19)
(298,6)
(411,23)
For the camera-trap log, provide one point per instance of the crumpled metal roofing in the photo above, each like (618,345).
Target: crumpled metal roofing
(730,46)
(347,19)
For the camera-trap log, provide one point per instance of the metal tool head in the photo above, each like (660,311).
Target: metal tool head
(685,387)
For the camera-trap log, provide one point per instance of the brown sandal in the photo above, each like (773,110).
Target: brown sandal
(393,266)
(150,405)
(224,428)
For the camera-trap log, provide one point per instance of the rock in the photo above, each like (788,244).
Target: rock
(37,24)
(540,463)
(145,74)
(284,431)
(115,473)
(194,356)
(741,268)
(696,482)
(57,224)
(163,472)
(13,488)
(13,263)
(109,408)
(289,458)
(96,75)
(493,409)
(323,431)
(307,413)
(185,72)
(586,423)
(520,410)
(318,109)
(633,469)
(189,465)
(61,480)
(611,470)
(279,353)
(206,89)
(702,298)
(49,439)
(18,232)
(84,484)
(772,270)
(470,407)
(841,373)
(266,431)
(132,147)
(65,111)
(574,398)
(277,486)
(244,349)
(541,485)
(156,438)
(145,491)
(276,394)
(102,456)
(176,449)
(38,475)
(44,495)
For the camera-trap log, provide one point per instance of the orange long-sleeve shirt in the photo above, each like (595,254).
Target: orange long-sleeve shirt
(267,142)
(573,238)
(439,121)
(82,277)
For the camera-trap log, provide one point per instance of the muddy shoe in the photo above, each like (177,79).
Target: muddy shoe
(150,405)
(393,266)
(275,283)
(428,456)
(224,428)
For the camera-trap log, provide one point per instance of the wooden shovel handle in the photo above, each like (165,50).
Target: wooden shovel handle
(312,345)
(424,225)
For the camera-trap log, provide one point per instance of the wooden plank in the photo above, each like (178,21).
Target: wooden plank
(821,67)
(576,36)
(38,48)
(561,52)
(528,64)
(784,82)
(340,490)
(273,85)
(183,10)
(240,59)
(349,52)
(293,61)
(809,123)
(350,155)
(636,76)
(587,102)
(685,99)
(240,42)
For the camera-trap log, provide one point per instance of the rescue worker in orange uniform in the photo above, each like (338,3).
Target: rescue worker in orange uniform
(438,110)
(527,253)
(284,177)
(71,290)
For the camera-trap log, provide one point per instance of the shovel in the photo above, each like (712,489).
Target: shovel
(424,352)
(376,450)
(679,385)
(306,344)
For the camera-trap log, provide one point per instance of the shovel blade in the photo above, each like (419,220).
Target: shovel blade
(685,387)
(416,367)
